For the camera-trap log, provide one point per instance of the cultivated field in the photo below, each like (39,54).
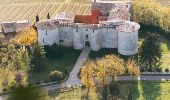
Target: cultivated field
(12,10)
(24,10)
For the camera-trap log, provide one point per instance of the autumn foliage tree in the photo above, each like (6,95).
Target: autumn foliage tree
(87,75)
(26,38)
(132,67)
(150,12)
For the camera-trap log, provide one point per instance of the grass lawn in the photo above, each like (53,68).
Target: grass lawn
(66,61)
(145,90)
(106,51)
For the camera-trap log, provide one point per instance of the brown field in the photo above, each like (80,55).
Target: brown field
(12,10)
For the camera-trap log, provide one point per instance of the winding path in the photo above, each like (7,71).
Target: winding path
(73,78)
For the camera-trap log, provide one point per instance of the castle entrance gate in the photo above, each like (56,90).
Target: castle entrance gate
(87,44)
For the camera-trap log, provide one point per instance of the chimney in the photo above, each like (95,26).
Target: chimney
(94,1)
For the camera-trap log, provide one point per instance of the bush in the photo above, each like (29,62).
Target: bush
(38,83)
(4,90)
(159,70)
(29,85)
(150,70)
(167,70)
(142,70)
(56,76)
(46,81)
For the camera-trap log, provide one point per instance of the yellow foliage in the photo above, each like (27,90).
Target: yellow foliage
(132,67)
(109,67)
(150,12)
(26,38)
(87,74)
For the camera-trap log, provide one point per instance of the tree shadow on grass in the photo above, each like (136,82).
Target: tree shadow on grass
(135,90)
(151,90)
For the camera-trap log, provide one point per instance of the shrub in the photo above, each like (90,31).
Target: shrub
(142,70)
(4,90)
(29,85)
(167,70)
(66,72)
(12,85)
(46,81)
(150,70)
(38,83)
(158,70)
(56,75)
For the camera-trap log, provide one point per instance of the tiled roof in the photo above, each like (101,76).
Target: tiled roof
(65,16)
(47,24)
(129,27)
(22,25)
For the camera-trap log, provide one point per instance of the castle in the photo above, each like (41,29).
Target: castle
(108,26)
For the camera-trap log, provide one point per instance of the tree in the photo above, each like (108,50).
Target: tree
(87,75)
(115,66)
(7,58)
(48,16)
(114,89)
(108,68)
(150,12)
(25,38)
(132,67)
(150,52)
(37,18)
(38,60)
(22,60)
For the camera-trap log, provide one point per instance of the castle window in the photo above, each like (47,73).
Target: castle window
(93,31)
(46,33)
(127,6)
(43,40)
(87,36)
(76,30)
(108,13)
(86,29)
(61,41)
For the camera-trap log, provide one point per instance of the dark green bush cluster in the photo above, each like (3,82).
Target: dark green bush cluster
(54,51)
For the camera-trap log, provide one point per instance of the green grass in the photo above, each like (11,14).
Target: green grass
(145,90)
(106,51)
(66,61)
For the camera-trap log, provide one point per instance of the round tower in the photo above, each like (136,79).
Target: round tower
(128,38)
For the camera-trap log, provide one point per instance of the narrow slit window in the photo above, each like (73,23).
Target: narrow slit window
(46,33)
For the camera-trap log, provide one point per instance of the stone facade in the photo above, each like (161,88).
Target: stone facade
(115,32)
